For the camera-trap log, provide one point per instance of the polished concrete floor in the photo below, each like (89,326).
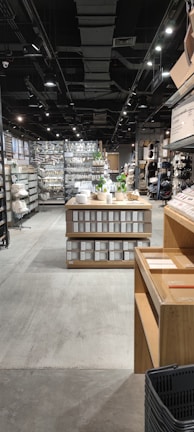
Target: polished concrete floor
(66,336)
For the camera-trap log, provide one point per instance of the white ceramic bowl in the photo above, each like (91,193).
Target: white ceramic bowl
(81,198)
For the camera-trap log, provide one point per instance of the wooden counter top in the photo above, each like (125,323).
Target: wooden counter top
(169,275)
(102,205)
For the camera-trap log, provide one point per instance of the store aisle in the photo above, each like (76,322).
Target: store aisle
(52,320)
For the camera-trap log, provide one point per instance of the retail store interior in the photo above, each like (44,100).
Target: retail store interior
(96,215)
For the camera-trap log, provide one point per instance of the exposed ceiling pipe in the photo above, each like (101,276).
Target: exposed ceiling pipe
(36,22)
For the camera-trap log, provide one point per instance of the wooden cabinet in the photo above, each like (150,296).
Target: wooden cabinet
(104,235)
(114,162)
(164,297)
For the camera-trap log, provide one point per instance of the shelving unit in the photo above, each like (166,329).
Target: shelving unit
(164,297)
(27,175)
(104,235)
(49,160)
(79,171)
(4,234)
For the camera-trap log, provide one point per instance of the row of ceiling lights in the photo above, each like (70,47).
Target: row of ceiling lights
(142,102)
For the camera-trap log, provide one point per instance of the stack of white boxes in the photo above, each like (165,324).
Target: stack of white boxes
(110,221)
(103,249)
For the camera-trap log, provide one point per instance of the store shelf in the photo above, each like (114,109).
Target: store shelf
(4,234)
(109,231)
(164,297)
(178,229)
(78,169)
(164,302)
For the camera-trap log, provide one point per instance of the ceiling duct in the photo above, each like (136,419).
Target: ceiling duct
(124,42)
(99,118)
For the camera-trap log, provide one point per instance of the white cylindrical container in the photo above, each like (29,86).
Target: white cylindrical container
(109,198)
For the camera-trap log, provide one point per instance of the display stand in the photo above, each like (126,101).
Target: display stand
(104,235)
(4,233)
(164,297)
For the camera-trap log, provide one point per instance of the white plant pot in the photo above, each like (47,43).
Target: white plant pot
(120,196)
(101,196)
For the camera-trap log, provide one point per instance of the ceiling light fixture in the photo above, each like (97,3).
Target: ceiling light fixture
(20,118)
(158,48)
(33,103)
(165,74)
(169,30)
(47,114)
(129,103)
(48,129)
(31,51)
(57,135)
(124,113)
(149,63)
(50,80)
(74,128)
(142,103)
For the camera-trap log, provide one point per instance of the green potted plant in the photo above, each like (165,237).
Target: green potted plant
(101,189)
(98,159)
(121,187)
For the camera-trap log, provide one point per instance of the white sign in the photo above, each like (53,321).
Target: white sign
(182,122)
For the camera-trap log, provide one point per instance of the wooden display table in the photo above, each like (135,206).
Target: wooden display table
(104,235)
(164,307)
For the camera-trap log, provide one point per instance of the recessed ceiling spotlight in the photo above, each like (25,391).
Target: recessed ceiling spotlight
(14,126)
(57,135)
(124,113)
(158,48)
(48,129)
(38,138)
(167,132)
(133,145)
(78,135)
(20,118)
(152,120)
(72,103)
(74,128)
(169,30)
(66,140)
(47,114)
(149,63)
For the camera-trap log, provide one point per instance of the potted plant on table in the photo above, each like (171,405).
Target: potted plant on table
(121,187)
(101,189)
(98,159)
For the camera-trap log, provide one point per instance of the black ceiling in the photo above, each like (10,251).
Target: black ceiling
(98,50)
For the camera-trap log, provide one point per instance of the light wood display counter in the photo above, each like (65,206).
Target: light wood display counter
(178,229)
(104,235)
(164,297)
